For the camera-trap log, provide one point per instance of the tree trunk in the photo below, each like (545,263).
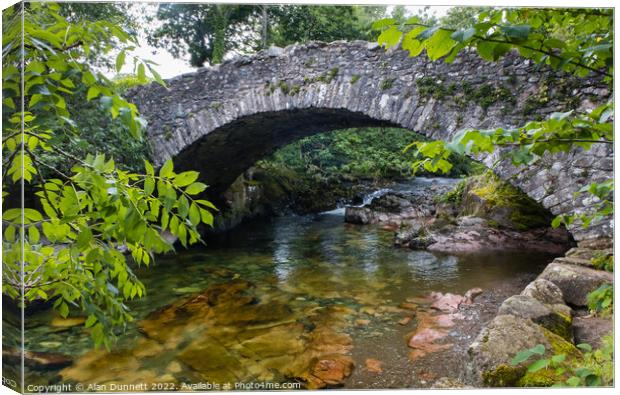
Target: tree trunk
(220,21)
(265,24)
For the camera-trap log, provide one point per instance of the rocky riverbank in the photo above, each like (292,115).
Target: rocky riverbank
(478,214)
(262,193)
(552,311)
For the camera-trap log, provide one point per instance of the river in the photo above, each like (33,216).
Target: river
(312,272)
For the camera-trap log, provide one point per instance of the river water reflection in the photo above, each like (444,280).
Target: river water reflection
(326,286)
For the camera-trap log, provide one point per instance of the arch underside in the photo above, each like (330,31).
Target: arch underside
(224,153)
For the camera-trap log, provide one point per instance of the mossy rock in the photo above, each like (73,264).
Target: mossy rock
(556,318)
(489,197)
(503,376)
(540,378)
(549,377)
(490,355)
(560,345)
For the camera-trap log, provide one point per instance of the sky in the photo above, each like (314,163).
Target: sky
(169,66)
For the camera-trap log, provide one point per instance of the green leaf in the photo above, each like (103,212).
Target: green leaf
(538,349)
(414,20)
(463,35)
(63,310)
(157,77)
(206,203)
(141,72)
(32,215)
(556,359)
(593,380)
(149,186)
(573,381)
(538,365)
(120,60)
(186,178)
(411,44)
(33,235)
(9,233)
(195,188)
(90,321)
(166,170)
(381,23)
(516,32)
(521,356)
(582,372)
(93,92)
(194,214)
(439,44)
(149,168)
(584,347)
(485,50)
(390,37)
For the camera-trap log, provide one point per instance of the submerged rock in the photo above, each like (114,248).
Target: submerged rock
(575,281)
(69,322)
(330,370)
(35,359)
(431,330)
(448,302)
(227,334)
(373,365)
(424,341)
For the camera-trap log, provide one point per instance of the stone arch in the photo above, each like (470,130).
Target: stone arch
(221,120)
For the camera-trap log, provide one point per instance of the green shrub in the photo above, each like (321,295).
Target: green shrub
(600,301)
(591,368)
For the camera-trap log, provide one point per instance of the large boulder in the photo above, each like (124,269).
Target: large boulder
(390,208)
(472,236)
(357,215)
(557,318)
(575,281)
(544,291)
(497,344)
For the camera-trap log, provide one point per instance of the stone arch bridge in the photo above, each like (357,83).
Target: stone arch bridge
(221,120)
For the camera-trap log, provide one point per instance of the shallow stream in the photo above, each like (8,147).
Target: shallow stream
(319,278)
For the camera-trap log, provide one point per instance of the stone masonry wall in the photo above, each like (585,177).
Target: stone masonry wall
(221,120)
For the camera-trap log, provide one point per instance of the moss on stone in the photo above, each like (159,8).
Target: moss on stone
(560,325)
(560,345)
(503,376)
(454,196)
(525,213)
(167,133)
(284,87)
(295,89)
(484,95)
(354,78)
(387,83)
(333,72)
(540,378)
